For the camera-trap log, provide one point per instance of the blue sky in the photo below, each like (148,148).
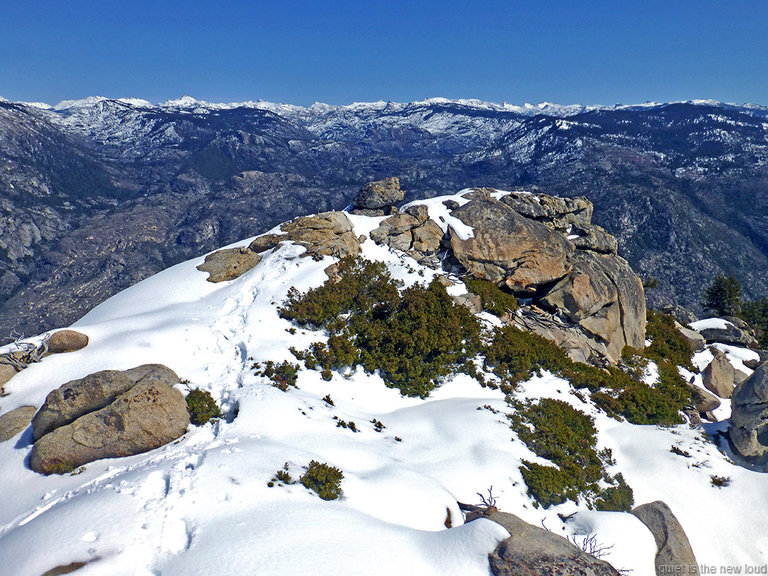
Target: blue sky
(589,52)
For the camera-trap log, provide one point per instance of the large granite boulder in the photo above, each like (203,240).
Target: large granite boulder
(95,391)
(545,248)
(66,341)
(604,297)
(748,431)
(376,198)
(533,551)
(324,234)
(229,263)
(145,417)
(729,334)
(508,248)
(13,422)
(674,554)
(719,375)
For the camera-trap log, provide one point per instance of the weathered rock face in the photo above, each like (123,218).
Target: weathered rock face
(533,551)
(508,248)
(546,248)
(95,391)
(605,298)
(748,432)
(719,375)
(147,416)
(228,264)
(672,545)
(13,422)
(325,234)
(412,232)
(560,212)
(376,197)
(66,341)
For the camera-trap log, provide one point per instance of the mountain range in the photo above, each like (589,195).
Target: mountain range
(98,194)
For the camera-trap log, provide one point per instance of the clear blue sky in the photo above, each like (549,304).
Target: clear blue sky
(590,52)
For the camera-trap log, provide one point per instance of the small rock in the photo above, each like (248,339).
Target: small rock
(672,545)
(472,301)
(533,551)
(15,421)
(379,195)
(66,341)
(418,211)
(266,242)
(6,373)
(703,401)
(146,417)
(718,376)
(695,340)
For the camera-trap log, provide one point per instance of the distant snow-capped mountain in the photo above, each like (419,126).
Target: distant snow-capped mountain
(99,193)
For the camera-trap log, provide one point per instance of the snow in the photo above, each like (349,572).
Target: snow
(202,505)
(442,215)
(710,323)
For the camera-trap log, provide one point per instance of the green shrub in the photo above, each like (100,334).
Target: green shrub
(359,286)
(515,355)
(495,300)
(556,431)
(755,313)
(282,375)
(412,338)
(723,296)
(667,343)
(201,407)
(323,479)
(617,498)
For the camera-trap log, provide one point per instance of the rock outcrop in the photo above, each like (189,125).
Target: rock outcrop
(674,554)
(532,551)
(95,391)
(145,417)
(719,375)
(64,341)
(545,248)
(729,334)
(748,432)
(13,422)
(324,234)
(378,198)
(228,264)
(412,232)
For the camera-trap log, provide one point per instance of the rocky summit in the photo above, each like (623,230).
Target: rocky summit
(471,381)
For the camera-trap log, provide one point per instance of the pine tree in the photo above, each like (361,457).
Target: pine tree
(723,296)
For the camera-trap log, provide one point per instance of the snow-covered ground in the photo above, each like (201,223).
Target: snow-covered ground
(202,505)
